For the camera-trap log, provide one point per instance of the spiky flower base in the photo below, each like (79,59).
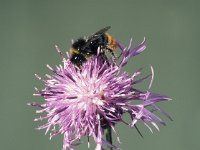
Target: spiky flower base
(85,102)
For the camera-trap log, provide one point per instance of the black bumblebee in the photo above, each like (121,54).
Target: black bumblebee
(84,48)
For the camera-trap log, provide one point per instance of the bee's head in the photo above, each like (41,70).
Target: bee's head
(78,59)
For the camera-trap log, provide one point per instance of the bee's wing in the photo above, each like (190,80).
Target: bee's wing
(96,35)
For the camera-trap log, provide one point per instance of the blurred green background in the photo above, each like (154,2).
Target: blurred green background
(29,29)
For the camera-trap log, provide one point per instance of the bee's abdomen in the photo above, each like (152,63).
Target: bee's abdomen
(111,42)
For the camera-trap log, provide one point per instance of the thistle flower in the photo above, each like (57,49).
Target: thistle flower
(85,102)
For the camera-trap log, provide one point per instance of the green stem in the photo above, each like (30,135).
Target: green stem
(109,136)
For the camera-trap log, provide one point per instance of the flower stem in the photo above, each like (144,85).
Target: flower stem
(109,136)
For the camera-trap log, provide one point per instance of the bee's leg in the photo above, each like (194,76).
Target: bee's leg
(104,57)
(112,53)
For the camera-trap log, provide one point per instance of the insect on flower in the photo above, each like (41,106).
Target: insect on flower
(84,48)
(85,102)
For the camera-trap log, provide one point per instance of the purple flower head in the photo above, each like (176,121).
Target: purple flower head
(84,102)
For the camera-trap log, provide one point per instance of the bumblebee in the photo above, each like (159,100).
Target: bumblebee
(83,48)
